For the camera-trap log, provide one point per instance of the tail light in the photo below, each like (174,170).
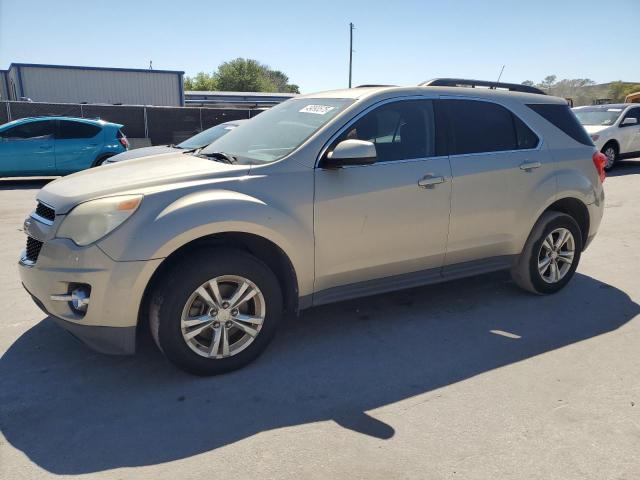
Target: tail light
(123,140)
(599,160)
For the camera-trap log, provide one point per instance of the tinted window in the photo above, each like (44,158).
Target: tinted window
(633,113)
(526,138)
(30,130)
(476,127)
(400,130)
(70,130)
(563,118)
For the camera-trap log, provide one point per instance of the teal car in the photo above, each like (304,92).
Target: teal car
(57,145)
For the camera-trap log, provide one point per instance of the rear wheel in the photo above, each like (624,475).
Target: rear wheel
(610,151)
(551,254)
(215,312)
(101,161)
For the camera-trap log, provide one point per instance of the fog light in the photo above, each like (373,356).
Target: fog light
(78,298)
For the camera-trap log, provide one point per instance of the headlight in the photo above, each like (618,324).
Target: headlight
(92,220)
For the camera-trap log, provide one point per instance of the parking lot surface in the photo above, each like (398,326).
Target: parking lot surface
(471,379)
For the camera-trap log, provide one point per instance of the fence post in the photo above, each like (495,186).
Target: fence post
(200,110)
(146,128)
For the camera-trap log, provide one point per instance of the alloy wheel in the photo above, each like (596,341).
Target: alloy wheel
(223,316)
(556,255)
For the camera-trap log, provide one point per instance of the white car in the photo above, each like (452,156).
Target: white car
(614,129)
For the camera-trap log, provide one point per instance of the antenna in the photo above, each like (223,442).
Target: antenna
(500,76)
(351,27)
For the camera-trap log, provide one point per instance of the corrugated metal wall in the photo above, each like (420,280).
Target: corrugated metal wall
(100,86)
(4,82)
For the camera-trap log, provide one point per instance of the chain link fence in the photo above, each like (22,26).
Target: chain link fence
(161,125)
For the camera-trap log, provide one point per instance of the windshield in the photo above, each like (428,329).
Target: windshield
(598,116)
(207,136)
(280,130)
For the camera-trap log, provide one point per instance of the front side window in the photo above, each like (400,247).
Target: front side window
(279,131)
(73,130)
(633,113)
(400,130)
(29,131)
(478,127)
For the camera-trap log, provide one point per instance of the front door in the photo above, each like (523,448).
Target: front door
(630,137)
(376,223)
(27,149)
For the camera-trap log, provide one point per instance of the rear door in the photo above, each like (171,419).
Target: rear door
(631,133)
(77,145)
(500,177)
(28,149)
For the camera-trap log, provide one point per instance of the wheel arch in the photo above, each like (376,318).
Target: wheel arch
(613,141)
(263,249)
(577,210)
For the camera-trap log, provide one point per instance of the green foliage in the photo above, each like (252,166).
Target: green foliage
(528,83)
(619,90)
(242,75)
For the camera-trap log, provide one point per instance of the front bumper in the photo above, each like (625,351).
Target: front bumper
(117,288)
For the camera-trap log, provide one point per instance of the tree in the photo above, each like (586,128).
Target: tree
(528,83)
(242,75)
(548,81)
(619,90)
(201,82)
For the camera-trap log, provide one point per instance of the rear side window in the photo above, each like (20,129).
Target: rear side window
(563,118)
(524,135)
(476,127)
(29,131)
(70,130)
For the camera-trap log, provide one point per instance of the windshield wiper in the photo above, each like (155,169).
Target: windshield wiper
(221,156)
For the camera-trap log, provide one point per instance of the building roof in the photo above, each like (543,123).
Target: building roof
(77,67)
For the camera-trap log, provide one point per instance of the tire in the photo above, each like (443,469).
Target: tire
(101,161)
(176,300)
(610,150)
(526,272)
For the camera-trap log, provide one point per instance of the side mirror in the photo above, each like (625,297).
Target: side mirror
(629,121)
(351,152)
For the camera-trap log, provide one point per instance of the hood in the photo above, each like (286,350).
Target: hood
(595,128)
(135,176)
(142,152)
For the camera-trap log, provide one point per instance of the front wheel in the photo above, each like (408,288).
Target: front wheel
(215,311)
(550,256)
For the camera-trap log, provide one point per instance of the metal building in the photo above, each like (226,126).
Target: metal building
(73,84)
(235,99)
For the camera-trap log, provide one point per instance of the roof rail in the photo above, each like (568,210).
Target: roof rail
(374,85)
(463,82)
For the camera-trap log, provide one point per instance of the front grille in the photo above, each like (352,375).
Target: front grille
(45,212)
(33,249)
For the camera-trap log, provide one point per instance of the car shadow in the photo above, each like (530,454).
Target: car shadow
(26,183)
(72,411)
(625,167)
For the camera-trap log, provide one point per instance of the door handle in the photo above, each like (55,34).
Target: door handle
(429,181)
(530,165)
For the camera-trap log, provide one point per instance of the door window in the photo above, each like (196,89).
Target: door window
(39,130)
(72,130)
(633,113)
(479,127)
(400,130)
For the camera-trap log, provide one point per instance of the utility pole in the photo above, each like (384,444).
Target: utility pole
(351,27)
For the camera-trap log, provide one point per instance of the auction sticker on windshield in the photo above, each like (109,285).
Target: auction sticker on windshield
(317,109)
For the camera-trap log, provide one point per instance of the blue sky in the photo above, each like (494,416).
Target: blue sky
(400,42)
